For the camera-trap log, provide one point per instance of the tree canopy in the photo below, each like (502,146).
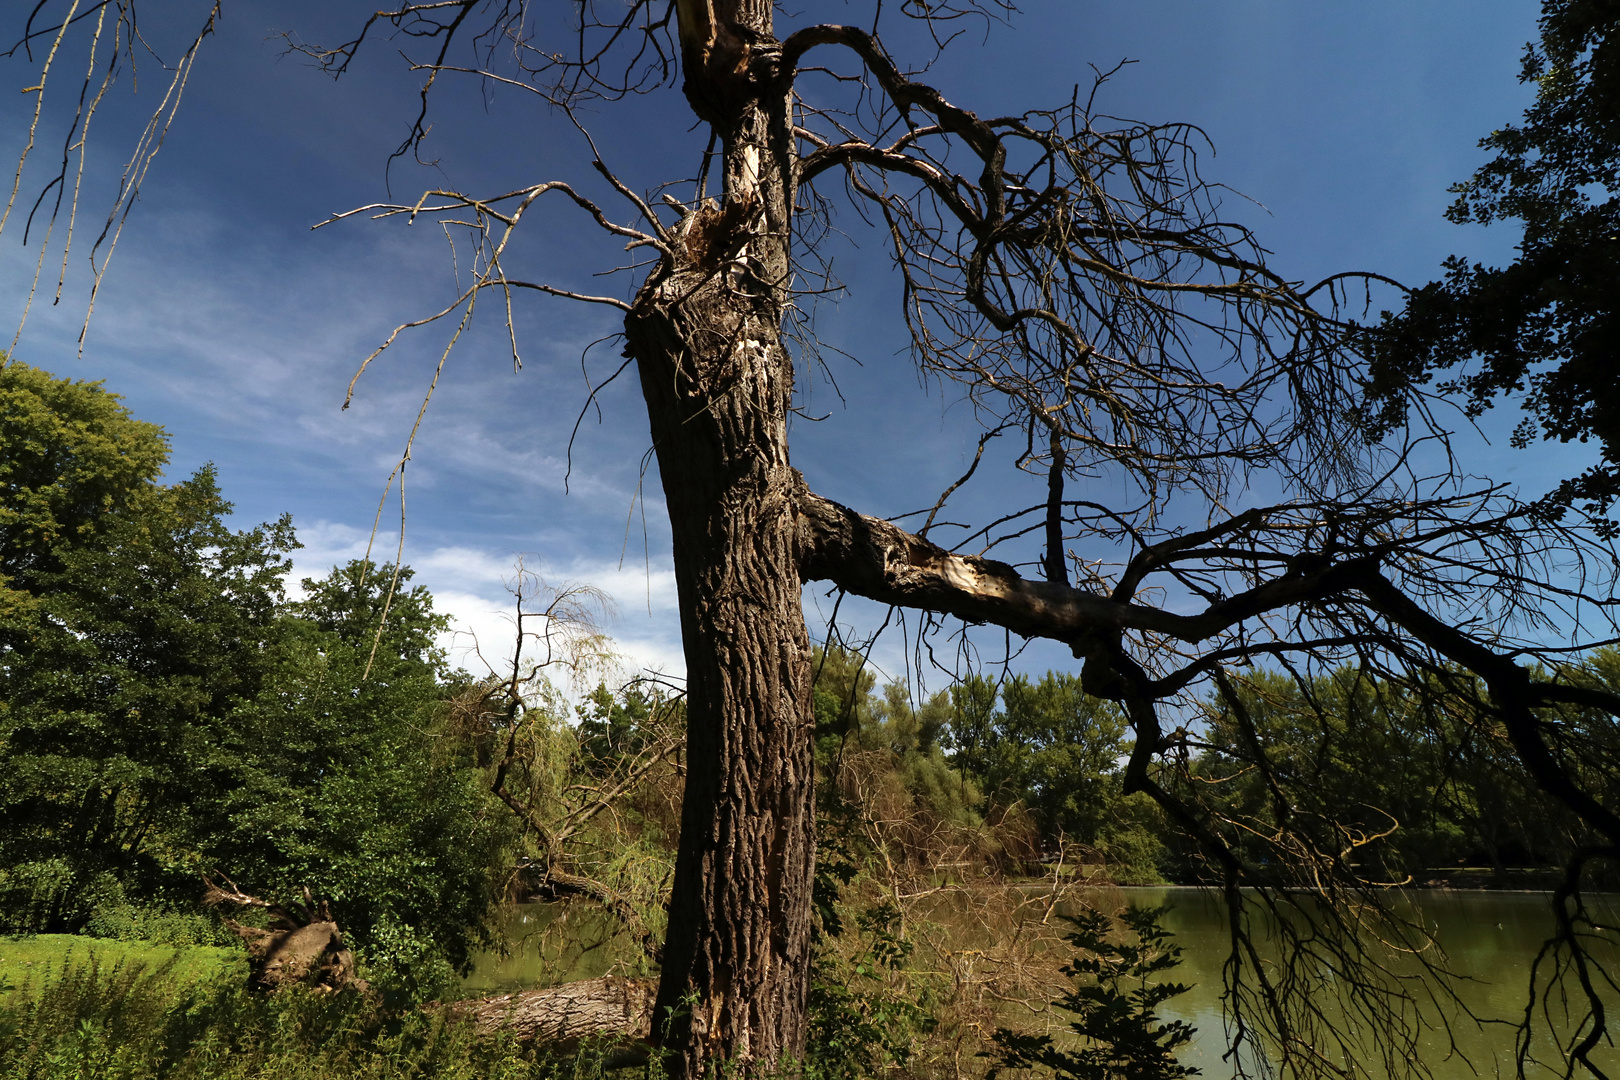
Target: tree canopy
(73,457)
(166,712)
(1544,329)
(137,625)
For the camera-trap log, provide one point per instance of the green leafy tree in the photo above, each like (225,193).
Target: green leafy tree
(615,726)
(135,623)
(72,458)
(1057,750)
(843,700)
(165,711)
(884,767)
(343,778)
(1366,772)
(914,736)
(1545,328)
(1401,779)
(1060,749)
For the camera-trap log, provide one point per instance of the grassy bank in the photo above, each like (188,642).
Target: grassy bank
(31,964)
(77,1008)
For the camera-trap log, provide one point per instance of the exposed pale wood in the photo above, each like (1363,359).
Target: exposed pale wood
(302,944)
(881,561)
(560,1017)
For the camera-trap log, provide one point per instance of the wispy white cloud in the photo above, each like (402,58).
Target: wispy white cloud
(472,586)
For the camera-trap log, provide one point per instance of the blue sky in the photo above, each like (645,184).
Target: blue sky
(231,323)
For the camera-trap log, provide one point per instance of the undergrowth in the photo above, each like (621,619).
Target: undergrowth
(131,1021)
(878,1007)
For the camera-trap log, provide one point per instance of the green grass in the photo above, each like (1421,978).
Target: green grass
(82,1009)
(33,963)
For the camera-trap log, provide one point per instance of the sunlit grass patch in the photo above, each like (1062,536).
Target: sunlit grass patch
(36,961)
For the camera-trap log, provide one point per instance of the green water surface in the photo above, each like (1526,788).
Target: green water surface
(1489,939)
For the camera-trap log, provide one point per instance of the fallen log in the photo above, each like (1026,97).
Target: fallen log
(612,1009)
(303,945)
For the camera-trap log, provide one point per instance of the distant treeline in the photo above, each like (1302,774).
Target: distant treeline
(1402,779)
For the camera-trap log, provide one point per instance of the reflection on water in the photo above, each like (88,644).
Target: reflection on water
(1492,938)
(549,944)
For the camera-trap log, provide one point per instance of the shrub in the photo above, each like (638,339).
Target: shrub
(1115,1003)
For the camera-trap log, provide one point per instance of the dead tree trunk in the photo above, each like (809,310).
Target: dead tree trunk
(706,335)
(1074,276)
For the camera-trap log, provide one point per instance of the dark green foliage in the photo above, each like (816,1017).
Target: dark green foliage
(164,711)
(138,624)
(131,624)
(838,864)
(1352,753)
(614,727)
(843,701)
(915,738)
(1545,329)
(1115,1002)
(345,781)
(863,1020)
(884,765)
(1055,747)
(1036,750)
(1394,779)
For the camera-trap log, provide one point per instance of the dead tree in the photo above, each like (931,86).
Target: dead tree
(301,946)
(535,756)
(1074,278)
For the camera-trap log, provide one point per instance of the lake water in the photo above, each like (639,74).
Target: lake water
(1491,938)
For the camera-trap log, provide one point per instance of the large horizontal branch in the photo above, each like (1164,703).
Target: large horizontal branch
(876,559)
(873,558)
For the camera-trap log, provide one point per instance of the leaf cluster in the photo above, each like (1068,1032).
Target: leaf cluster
(1544,329)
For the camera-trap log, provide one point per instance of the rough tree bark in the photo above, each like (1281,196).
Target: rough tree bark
(705,333)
